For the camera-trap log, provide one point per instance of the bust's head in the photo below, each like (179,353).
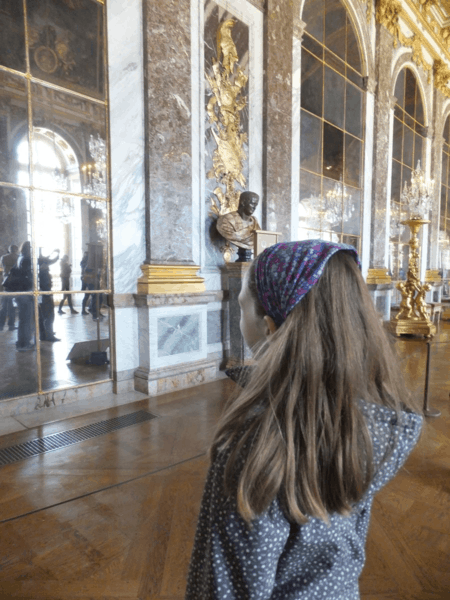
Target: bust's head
(248,201)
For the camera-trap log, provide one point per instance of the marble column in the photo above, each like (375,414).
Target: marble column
(281,24)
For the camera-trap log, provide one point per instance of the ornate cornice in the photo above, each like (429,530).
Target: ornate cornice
(421,25)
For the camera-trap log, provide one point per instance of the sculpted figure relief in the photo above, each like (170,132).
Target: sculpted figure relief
(238,226)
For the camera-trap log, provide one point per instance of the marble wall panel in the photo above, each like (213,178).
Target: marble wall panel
(167,29)
(125,57)
(215,319)
(126,334)
(178,335)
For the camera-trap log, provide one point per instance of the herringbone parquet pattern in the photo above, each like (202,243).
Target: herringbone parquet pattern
(114,517)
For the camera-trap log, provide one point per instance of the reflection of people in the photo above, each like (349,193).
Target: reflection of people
(47,305)
(238,226)
(84,285)
(66,270)
(321,426)
(25,303)
(8,310)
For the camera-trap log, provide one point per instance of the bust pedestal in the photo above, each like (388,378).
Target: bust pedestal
(240,353)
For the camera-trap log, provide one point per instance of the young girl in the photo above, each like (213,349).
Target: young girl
(321,425)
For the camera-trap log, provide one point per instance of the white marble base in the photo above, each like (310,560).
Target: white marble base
(10,425)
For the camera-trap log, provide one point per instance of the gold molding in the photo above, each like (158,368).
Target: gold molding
(378,276)
(432,276)
(168,279)
(425,328)
(424,26)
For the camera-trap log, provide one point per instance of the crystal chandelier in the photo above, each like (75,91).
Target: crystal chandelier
(418,195)
(94,173)
(64,209)
(396,227)
(338,205)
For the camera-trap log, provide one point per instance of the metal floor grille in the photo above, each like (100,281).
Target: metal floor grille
(57,441)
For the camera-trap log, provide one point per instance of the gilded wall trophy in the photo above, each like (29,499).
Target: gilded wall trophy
(233,208)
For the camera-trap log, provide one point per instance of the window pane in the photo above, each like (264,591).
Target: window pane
(419,107)
(396,181)
(352,241)
(310,44)
(69,362)
(398,138)
(12,35)
(400,88)
(446,130)
(444,167)
(313,17)
(353,110)
(406,176)
(14,160)
(334,97)
(353,56)
(418,141)
(336,63)
(443,203)
(310,201)
(409,120)
(312,83)
(352,212)
(311,142)
(333,151)
(352,161)
(355,78)
(68,49)
(63,147)
(15,223)
(410,92)
(335,27)
(408,144)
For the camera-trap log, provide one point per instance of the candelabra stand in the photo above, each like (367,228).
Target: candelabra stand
(413,317)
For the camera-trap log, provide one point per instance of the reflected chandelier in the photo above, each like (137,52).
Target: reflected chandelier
(94,173)
(338,205)
(418,195)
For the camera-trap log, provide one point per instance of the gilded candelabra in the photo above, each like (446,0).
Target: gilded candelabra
(413,316)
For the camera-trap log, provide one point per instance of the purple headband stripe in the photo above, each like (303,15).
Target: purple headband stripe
(286,272)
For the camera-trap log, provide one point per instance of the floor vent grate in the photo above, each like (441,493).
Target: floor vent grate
(60,440)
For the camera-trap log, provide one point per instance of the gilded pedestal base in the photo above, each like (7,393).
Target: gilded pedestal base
(166,279)
(417,327)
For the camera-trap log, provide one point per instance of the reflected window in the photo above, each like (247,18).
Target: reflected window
(444,218)
(407,150)
(331,127)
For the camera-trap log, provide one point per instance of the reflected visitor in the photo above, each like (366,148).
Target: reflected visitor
(84,285)
(8,310)
(24,274)
(47,305)
(66,270)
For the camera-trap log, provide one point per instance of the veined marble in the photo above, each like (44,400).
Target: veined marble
(127,141)
(126,338)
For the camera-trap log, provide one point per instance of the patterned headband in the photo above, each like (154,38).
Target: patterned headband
(286,272)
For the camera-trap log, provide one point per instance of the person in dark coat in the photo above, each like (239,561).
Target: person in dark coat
(66,270)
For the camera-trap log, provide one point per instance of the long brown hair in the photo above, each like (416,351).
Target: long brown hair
(302,432)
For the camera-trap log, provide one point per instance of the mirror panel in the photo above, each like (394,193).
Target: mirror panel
(14,159)
(70,339)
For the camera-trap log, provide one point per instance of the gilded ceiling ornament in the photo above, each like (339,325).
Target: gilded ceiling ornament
(388,14)
(415,43)
(445,35)
(441,76)
(226,83)
(427,4)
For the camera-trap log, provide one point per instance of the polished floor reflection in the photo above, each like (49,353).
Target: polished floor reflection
(115,516)
(77,334)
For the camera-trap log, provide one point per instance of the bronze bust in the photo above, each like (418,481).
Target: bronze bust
(238,226)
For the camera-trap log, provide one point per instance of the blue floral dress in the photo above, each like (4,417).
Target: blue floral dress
(278,560)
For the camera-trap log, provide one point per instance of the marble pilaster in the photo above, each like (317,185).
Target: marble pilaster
(126,103)
(436,174)
(167,66)
(239,351)
(280,28)
(382,152)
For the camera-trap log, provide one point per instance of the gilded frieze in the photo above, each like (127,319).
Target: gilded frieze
(442,77)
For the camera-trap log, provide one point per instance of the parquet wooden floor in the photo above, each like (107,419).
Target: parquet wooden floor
(114,517)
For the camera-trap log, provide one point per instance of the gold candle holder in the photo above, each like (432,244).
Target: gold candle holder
(413,317)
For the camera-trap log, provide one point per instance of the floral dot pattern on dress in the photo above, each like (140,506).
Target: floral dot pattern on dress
(278,560)
(285,272)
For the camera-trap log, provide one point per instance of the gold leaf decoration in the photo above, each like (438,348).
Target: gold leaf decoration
(227,82)
(441,76)
(388,14)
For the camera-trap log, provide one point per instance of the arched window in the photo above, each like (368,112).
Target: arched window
(332,128)
(408,145)
(444,222)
